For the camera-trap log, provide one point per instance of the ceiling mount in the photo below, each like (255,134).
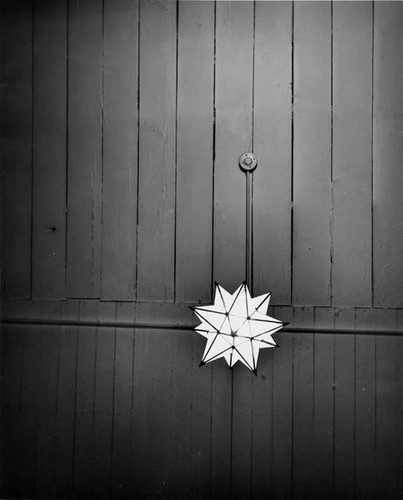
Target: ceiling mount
(247,162)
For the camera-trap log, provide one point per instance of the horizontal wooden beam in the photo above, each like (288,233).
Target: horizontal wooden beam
(156,326)
(178,316)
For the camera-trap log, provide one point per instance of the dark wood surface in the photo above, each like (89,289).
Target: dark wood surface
(387,154)
(120,149)
(272,142)
(233,135)
(122,201)
(157,149)
(99,412)
(352,152)
(16,151)
(123,124)
(49,149)
(194,153)
(84,140)
(312,199)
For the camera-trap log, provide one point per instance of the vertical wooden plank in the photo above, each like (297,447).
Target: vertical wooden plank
(85,402)
(141,430)
(140,434)
(3,451)
(344,406)
(389,408)
(365,413)
(233,102)
(28,428)
(11,408)
(122,408)
(47,419)
(49,149)
(241,438)
(85,117)
(103,417)
(304,475)
(323,406)
(66,402)
(262,427)
(201,423)
(156,218)
(388,150)
(194,150)
(119,211)
(160,420)
(181,414)
(282,425)
(272,138)
(16,150)
(311,153)
(352,150)
(221,407)
(152,413)
(399,378)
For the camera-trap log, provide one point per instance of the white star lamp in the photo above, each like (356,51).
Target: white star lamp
(237,326)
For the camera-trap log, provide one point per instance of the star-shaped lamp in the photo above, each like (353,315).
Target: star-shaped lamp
(236,327)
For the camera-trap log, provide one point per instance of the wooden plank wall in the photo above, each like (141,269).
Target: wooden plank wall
(122,123)
(101,412)
(122,126)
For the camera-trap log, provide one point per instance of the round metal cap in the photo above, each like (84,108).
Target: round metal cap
(248,162)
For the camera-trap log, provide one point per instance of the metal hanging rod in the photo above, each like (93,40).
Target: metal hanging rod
(248,163)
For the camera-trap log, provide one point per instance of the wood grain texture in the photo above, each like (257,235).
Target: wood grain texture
(303,475)
(352,150)
(201,424)
(194,151)
(181,413)
(221,408)
(282,416)
(28,426)
(233,101)
(261,457)
(119,197)
(3,425)
(16,147)
(389,411)
(13,345)
(152,406)
(71,94)
(141,391)
(104,400)
(272,142)
(160,407)
(156,252)
(84,149)
(242,431)
(49,149)
(47,418)
(122,407)
(172,425)
(66,403)
(323,409)
(388,150)
(365,411)
(389,418)
(85,404)
(110,411)
(344,408)
(311,153)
